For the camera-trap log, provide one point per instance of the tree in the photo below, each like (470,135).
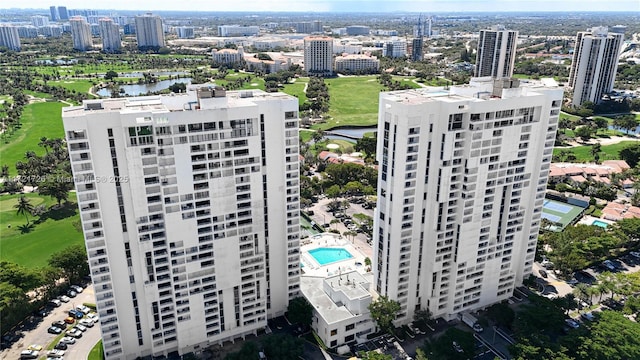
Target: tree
(24,207)
(333,192)
(300,311)
(502,314)
(595,152)
(57,185)
(584,132)
(249,350)
(110,75)
(423,315)
(72,261)
(373,355)
(631,154)
(612,337)
(367,145)
(19,276)
(383,312)
(626,122)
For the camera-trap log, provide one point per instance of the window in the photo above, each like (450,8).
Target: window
(350,327)
(334,332)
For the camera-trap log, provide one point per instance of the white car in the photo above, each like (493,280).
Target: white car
(93,317)
(85,310)
(74,333)
(64,298)
(77,288)
(86,322)
(68,340)
(80,327)
(55,353)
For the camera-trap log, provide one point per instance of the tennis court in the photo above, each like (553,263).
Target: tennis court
(559,213)
(556,206)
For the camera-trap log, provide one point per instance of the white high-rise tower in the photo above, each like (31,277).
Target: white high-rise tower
(81,33)
(496,52)
(149,31)
(110,33)
(318,55)
(595,63)
(9,37)
(190,209)
(461,187)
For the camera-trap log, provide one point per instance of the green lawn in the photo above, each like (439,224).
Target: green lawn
(80,86)
(38,120)
(33,247)
(353,101)
(97,353)
(297,89)
(564,115)
(609,152)
(37,94)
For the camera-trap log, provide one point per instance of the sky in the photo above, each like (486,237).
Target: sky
(423,6)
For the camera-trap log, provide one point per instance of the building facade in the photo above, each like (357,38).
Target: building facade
(39,21)
(318,55)
(237,30)
(9,37)
(595,63)
(53,11)
(357,64)
(496,55)
(190,210)
(395,48)
(63,14)
(228,56)
(149,31)
(110,34)
(461,187)
(81,33)
(185,32)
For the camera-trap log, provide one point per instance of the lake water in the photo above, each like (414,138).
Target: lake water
(137,89)
(636,131)
(138,74)
(350,132)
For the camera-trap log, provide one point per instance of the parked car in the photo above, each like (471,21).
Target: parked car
(55,353)
(86,322)
(68,340)
(29,354)
(635,254)
(61,346)
(71,293)
(85,310)
(572,323)
(64,298)
(55,302)
(457,347)
(80,327)
(93,317)
(35,347)
(76,314)
(69,320)
(77,288)
(74,333)
(59,324)
(543,273)
(588,316)
(54,330)
(41,312)
(607,264)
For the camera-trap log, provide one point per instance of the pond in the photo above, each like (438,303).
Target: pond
(138,74)
(137,89)
(349,133)
(632,132)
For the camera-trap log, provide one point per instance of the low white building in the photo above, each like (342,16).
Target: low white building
(340,307)
(228,56)
(354,63)
(237,30)
(269,43)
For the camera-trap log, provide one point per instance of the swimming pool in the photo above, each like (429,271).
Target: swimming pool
(602,224)
(326,256)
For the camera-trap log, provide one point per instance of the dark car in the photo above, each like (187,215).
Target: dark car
(76,314)
(54,330)
(59,324)
(61,346)
(543,273)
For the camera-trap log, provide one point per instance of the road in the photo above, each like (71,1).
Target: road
(35,331)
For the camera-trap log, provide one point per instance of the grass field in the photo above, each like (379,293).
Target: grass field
(80,86)
(97,353)
(609,152)
(38,120)
(33,247)
(564,115)
(353,101)
(297,89)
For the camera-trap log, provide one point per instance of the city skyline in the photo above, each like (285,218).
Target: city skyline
(425,6)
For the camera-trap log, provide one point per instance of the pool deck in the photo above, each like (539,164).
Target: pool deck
(331,240)
(588,220)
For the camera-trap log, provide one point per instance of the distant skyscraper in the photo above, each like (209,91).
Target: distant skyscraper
(62,13)
(39,21)
(9,37)
(149,31)
(619,29)
(594,66)
(394,48)
(496,55)
(461,186)
(185,32)
(54,13)
(81,33)
(417,43)
(110,34)
(318,55)
(193,238)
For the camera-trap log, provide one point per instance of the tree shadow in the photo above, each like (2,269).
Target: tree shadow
(26,228)
(63,211)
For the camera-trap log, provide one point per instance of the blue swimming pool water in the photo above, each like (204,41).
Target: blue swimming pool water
(602,224)
(326,256)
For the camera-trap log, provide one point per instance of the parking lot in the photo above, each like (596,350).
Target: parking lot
(34,331)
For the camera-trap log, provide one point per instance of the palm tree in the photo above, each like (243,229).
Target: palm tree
(24,207)
(595,152)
